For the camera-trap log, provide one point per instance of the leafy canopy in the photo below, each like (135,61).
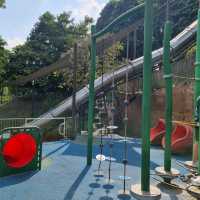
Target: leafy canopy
(50,37)
(2,3)
(181,14)
(3,60)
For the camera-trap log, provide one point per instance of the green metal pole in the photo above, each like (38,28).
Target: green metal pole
(197,82)
(199,152)
(91,96)
(147,88)
(169,94)
(197,88)
(74,109)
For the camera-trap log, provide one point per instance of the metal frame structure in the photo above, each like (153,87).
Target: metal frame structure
(147,89)
(94,36)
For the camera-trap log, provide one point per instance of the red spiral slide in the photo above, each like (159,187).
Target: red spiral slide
(157,132)
(182,139)
(19,150)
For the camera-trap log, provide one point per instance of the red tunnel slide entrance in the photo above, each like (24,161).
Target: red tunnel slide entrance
(19,150)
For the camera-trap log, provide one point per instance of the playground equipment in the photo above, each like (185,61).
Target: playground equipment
(157,132)
(20,150)
(167,172)
(134,68)
(102,128)
(94,37)
(125,192)
(196,138)
(181,136)
(181,139)
(102,120)
(144,189)
(111,130)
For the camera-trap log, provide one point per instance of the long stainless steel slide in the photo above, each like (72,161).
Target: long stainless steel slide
(178,44)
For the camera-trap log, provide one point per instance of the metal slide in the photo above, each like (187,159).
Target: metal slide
(134,68)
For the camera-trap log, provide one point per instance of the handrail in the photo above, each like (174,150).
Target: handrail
(115,21)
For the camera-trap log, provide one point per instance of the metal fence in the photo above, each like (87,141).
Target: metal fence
(62,124)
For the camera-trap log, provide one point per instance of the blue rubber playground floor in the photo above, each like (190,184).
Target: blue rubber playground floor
(65,176)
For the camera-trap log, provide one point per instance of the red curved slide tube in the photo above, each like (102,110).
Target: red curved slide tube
(19,150)
(157,132)
(182,139)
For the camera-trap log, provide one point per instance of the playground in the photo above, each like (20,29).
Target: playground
(121,135)
(59,180)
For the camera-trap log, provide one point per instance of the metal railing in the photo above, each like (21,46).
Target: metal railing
(64,127)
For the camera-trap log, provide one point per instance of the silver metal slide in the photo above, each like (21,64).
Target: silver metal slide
(134,67)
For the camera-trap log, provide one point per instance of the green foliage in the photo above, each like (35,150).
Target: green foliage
(112,54)
(113,9)
(2,3)
(181,13)
(110,60)
(50,37)
(191,52)
(3,60)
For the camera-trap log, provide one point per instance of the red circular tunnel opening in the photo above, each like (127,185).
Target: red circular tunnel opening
(19,150)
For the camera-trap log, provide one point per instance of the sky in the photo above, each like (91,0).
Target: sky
(17,20)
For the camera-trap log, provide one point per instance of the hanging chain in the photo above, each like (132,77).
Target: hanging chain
(112,124)
(101,112)
(125,161)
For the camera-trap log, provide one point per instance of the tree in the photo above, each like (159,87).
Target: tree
(50,37)
(2,3)
(181,13)
(3,62)
(113,9)
(109,61)
(3,56)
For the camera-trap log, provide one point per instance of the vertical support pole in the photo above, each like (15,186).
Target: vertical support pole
(33,99)
(197,88)
(82,118)
(91,97)
(198,135)
(74,94)
(147,89)
(40,150)
(169,95)
(135,44)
